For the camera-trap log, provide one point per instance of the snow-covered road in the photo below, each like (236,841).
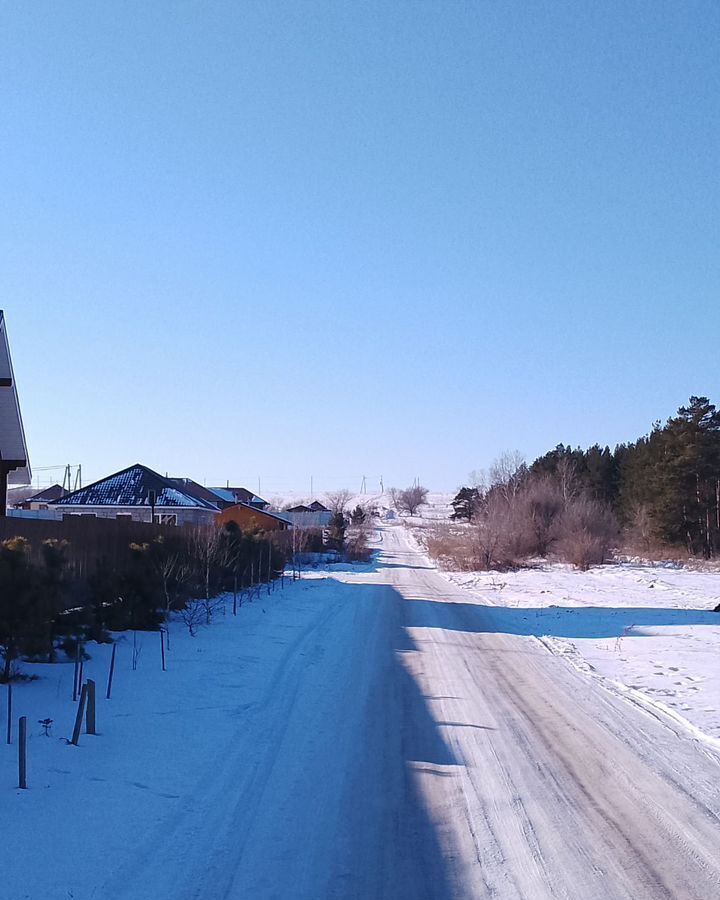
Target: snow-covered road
(368,732)
(400,751)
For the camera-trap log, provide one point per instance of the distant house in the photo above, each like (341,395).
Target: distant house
(231,495)
(199,491)
(310,515)
(14,463)
(139,494)
(247,517)
(304,517)
(315,506)
(42,499)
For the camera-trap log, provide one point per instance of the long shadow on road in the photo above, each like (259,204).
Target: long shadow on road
(552,621)
(388,846)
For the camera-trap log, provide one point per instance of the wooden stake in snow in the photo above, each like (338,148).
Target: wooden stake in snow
(162,648)
(76,669)
(111,673)
(9,712)
(235,595)
(22,752)
(79,716)
(90,718)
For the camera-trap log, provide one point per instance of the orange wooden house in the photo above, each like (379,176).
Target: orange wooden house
(248,517)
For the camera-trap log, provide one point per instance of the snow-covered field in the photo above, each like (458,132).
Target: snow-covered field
(437,508)
(647,630)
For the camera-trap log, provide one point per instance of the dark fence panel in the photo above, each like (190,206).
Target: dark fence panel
(89,540)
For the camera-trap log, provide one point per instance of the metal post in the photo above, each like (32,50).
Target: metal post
(76,669)
(79,716)
(22,753)
(9,714)
(112,672)
(90,718)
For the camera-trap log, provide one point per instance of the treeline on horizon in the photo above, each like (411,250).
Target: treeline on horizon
(662,489)
(665,486)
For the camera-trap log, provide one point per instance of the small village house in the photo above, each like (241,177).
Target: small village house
(139,494)
(247,517)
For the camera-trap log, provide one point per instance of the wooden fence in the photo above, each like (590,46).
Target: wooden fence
(89,540)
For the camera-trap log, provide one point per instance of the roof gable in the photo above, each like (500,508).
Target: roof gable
(131,487)
(50,494)
(193,489)
(238,495)
(12,435)
(260,512)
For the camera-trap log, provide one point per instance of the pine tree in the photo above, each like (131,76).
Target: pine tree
(19,611)
(466,503)
(336,532)
(358,515)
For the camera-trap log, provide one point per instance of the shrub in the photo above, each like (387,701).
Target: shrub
(588,531)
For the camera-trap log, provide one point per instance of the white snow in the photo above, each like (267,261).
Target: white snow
(377,731)
(88,807)
(649,630)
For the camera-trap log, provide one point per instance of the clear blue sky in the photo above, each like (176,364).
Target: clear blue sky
(348,238)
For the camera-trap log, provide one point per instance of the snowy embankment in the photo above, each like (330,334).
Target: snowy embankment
(160,736)
(647,631)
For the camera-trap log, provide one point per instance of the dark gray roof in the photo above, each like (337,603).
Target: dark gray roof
(132,487)
(49,495)
(199,491)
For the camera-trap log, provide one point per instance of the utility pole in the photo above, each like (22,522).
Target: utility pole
(152,497)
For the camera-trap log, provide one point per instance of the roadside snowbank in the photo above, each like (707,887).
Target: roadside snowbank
(648,630)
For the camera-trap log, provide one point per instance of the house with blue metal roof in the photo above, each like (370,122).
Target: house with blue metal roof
(140,494)
(232,495)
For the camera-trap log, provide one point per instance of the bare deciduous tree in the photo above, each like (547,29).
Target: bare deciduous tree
(208,554)
(338,501)
(193,615)
(409,500)
(507,474)
(567,479)
(641,530)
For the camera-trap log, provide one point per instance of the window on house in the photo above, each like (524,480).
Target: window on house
(165,518)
